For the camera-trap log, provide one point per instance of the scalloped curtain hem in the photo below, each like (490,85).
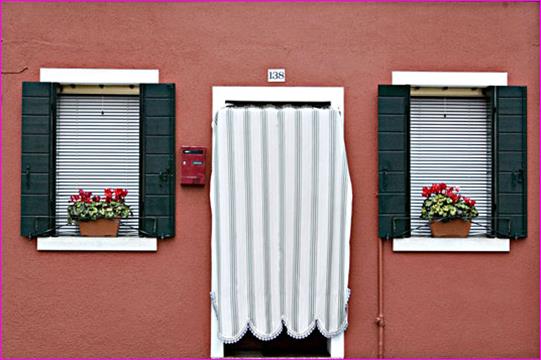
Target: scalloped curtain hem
(248,325)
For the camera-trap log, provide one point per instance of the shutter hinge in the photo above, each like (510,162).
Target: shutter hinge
(27,175)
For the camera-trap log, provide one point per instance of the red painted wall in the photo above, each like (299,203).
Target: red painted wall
(157,305)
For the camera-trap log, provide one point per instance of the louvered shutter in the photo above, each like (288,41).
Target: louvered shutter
(158,160)
(97,147)
(37,160)
(450,143)
(393,160)
(509,168)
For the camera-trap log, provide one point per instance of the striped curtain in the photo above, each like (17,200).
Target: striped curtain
(281,215)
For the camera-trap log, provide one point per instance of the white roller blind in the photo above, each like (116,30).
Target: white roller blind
(281,213)
(450,142)
(97,146)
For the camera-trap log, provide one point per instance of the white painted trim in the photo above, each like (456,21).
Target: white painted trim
(216,345)
(449,79)
(469,244)
(222,94)
(337,346)
(99,76)
(80,243)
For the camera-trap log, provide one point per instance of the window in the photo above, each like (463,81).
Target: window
(450,142)
(97,146)
(56,125)
(499,145)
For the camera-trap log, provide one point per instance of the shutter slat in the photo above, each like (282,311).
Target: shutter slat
(97,145)
(450,142)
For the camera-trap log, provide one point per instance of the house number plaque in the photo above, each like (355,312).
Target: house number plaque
(276,75)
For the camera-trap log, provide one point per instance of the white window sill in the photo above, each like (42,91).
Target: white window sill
(78,243)
(473,244)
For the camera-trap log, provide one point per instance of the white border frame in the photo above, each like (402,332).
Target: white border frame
(94,77)
(222,94)
(74,243)
(99,76)
(450,79)
(469,244)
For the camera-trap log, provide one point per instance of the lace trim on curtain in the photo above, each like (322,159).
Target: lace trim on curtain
(249,325)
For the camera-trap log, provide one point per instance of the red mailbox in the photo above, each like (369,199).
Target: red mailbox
(193,165)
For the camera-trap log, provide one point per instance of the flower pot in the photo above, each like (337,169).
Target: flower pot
(100,227)
(451,228)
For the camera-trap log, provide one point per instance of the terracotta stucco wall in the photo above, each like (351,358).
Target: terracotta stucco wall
(157,305)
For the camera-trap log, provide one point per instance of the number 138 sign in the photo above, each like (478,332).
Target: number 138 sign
(276,75)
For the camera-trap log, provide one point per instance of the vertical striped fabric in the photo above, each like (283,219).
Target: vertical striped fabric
(281,213)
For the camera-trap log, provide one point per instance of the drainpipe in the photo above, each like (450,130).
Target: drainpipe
(380,322)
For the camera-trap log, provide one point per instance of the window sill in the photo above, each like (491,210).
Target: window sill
(77,243)
(469,244)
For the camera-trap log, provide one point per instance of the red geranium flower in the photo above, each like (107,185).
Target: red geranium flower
(120,194)
(440,188)
(454,197)
(108,194)
(469,202)
(85,196)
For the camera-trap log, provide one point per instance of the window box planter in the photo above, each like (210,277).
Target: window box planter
(454,228)
(99,227)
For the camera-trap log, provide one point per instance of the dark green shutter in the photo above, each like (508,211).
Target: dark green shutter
(509,165)
(38,159)
(393,160)
(157,160)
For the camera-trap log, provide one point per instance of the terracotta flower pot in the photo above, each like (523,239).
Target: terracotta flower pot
(452,228)
(100,227)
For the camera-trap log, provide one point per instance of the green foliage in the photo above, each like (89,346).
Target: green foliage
(441,206)
(445,202)
(85,207)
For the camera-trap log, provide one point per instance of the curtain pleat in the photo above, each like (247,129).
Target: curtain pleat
(281,215)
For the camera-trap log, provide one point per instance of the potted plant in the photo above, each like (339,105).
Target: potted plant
(449,212)
(98,216)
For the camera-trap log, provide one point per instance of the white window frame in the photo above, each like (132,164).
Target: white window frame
(99,76)
(220,96)
(68,76)
(450,79)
